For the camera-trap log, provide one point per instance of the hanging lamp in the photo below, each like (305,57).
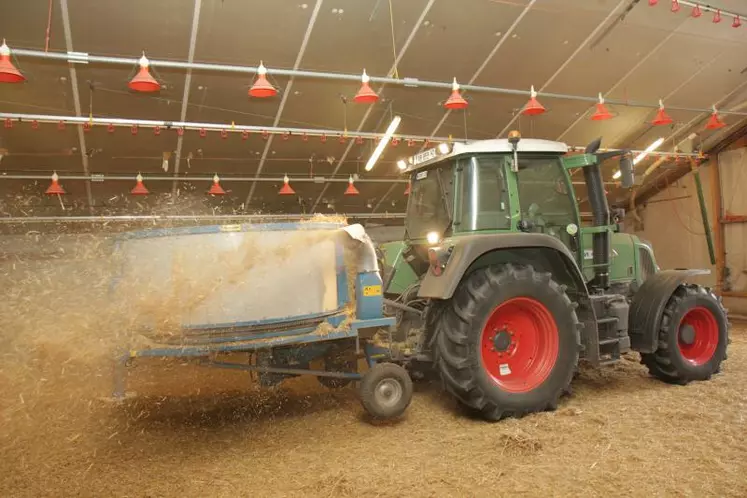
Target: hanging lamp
(139,188)
(455,101)
(55,188)
(675,6)
(351,190)
(715,122)
(143,81)
(261,87)
(533,107)
(216,189)
(8,72)
(696,11)
(602,113)
(365,94)
(717,16)
(286,189)
(662,118)
(737,22)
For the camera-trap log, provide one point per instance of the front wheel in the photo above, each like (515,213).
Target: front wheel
(692,338)
(508,342)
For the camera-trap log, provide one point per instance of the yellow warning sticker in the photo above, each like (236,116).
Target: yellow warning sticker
(371,290)
(230,228)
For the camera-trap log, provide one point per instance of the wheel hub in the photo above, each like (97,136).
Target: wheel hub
(388,392)
(687,334)
(502,340)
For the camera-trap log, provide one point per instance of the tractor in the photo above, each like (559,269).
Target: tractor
(501,290)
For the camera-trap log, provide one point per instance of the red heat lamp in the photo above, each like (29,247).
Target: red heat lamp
(651,3)
(455,101)
(8,72)
(143,81)
(602,113)
(139,188)
(55,188)
(717,17)
(351,190)
(216,189)
(662,118)
(675,6)
(696,11)
(737,22)
(533,107)
(286,189)
(365,94)
(261,87)
(715,122)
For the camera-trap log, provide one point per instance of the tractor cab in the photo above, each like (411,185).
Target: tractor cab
(483,187)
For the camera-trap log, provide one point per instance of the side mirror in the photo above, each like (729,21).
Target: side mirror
(626,170)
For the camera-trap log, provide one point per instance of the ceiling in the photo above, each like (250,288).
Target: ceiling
(579,47)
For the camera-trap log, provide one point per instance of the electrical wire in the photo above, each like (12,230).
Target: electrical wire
(677,214)
(394,44)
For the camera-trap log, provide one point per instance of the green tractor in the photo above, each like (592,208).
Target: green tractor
(500,288)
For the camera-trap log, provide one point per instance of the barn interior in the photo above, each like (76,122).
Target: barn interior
(130,116)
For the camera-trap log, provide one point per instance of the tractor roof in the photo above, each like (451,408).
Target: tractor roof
(496,145)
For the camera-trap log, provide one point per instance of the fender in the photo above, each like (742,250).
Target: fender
(469,248)
(648,305)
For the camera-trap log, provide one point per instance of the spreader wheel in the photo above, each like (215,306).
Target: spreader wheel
(508,342)
(386,390)
(692,338)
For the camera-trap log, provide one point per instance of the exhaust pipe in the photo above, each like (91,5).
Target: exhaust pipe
(601,215)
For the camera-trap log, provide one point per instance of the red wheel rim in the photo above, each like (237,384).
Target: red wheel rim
(700,348)
(519,344)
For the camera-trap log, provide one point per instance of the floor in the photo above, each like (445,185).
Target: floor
(192,431)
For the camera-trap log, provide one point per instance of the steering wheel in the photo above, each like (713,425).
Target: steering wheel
(561,187)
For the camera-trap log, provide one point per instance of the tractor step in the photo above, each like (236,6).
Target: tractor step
(607,342)
(608,361)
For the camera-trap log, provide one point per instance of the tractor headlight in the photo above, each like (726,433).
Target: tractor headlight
(433,238)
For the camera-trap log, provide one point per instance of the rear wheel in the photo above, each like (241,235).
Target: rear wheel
(508,342)
(692,338)
(386,390)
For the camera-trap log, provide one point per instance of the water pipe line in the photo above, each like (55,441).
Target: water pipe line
(86,58)
(235,128)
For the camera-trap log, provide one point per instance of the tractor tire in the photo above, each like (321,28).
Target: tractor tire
(508,343)
(693,337)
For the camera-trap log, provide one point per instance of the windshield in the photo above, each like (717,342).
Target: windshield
(428,205)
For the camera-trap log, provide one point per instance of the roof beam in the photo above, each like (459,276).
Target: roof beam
(583,44)
(76,99)
(471,81)
(187,85)
(284,99)
(638,64)
(489,58)
(365,117)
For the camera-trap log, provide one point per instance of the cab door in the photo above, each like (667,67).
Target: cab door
(546,200)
